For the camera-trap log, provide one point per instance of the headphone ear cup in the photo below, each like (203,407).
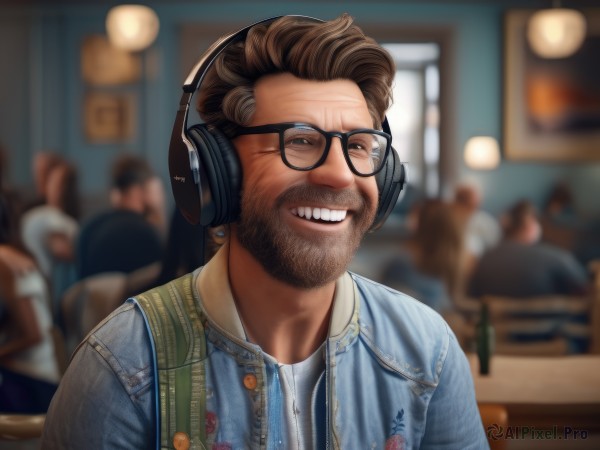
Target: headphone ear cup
(220,187)
(390,182)
(232,177)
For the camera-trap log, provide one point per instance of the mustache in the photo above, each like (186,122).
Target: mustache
(346,198)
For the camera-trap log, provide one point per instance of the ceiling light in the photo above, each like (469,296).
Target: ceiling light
(482,152)
(132,27)
(556,32)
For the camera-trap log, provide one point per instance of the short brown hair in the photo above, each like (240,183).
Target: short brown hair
(517,216)
(130,170)
(307,49)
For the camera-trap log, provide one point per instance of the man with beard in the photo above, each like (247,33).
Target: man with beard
(273,344)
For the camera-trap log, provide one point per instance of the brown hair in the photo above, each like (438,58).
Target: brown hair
(69,189)
(440,240)
(517,216)
(130,170)
(311,50)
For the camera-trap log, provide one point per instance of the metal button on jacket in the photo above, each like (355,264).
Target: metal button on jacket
(250,382)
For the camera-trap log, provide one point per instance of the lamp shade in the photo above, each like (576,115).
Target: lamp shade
(556,32)
(132,27)
(482,152)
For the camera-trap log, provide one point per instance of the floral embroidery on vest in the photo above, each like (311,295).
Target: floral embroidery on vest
(396,440)
(221,446)
(211,423)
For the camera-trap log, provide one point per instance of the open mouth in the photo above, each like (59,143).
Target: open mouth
(320,215)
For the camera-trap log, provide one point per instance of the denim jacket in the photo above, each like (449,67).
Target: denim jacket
(395,378)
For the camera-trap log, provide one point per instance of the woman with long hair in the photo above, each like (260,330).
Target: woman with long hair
(49,230)
(432,264)
(29,371)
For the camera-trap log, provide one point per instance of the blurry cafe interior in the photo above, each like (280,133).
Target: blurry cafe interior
(496,113)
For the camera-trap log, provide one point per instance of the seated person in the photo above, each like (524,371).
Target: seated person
(49,231)
(122,239)
(521,266)
(482,230)
(431,265)
(29,372)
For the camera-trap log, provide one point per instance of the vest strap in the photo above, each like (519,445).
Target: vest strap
(176,324)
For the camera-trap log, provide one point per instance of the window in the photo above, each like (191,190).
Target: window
(414,116)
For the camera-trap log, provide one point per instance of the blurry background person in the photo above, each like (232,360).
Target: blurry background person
(186,249)
(432,264)
(49,230)
(123,239)
(10,194)
(42,164)
(566,227)
(560,206)
(520,266)
(560,222)
(29,372)
(482,230)
(155,210)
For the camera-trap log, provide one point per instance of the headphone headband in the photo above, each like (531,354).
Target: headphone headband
(203,166)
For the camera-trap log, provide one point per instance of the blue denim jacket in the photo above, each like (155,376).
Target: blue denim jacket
(395,378)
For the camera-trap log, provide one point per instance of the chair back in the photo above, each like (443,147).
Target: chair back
(19,427)
(544,325)
(89,301)
(495,420)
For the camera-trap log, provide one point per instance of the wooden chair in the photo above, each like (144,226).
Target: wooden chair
(16,427)
(594,267)
(86,303)
(561,319)
(495,421)
(542,326)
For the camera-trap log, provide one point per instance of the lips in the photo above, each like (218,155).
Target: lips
(322,214)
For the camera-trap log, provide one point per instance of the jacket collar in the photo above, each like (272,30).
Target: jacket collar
(212,283)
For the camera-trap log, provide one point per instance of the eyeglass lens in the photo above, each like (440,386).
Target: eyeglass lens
(304,147)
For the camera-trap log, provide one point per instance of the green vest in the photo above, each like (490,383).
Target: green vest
(176,323)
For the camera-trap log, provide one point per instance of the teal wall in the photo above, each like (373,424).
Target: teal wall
(42,92)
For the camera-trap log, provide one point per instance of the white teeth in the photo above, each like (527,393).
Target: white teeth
(325,214)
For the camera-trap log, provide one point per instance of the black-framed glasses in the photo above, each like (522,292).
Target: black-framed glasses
(305,147)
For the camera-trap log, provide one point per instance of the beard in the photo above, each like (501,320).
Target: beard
(303,260)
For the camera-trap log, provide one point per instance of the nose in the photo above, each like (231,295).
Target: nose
(334,172)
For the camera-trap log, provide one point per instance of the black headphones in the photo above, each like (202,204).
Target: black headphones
(204,167)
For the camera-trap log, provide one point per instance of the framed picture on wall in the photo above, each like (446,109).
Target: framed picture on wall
(102,64)
(109,117)
(551,107)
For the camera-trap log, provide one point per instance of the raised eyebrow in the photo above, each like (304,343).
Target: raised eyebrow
(306,124)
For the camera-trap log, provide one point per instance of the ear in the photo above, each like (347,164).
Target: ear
(115,197)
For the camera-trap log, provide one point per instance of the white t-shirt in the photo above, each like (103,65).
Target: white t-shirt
(298,383)
(38,361)
(483,233)
(37,224)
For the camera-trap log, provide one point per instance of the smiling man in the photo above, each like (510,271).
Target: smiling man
(273,344)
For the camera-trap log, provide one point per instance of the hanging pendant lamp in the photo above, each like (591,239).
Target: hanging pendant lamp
(132,27)
(556,32)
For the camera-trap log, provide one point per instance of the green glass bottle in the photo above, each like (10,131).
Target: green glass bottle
(485,340)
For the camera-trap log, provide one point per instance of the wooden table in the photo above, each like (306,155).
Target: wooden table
(543,391)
